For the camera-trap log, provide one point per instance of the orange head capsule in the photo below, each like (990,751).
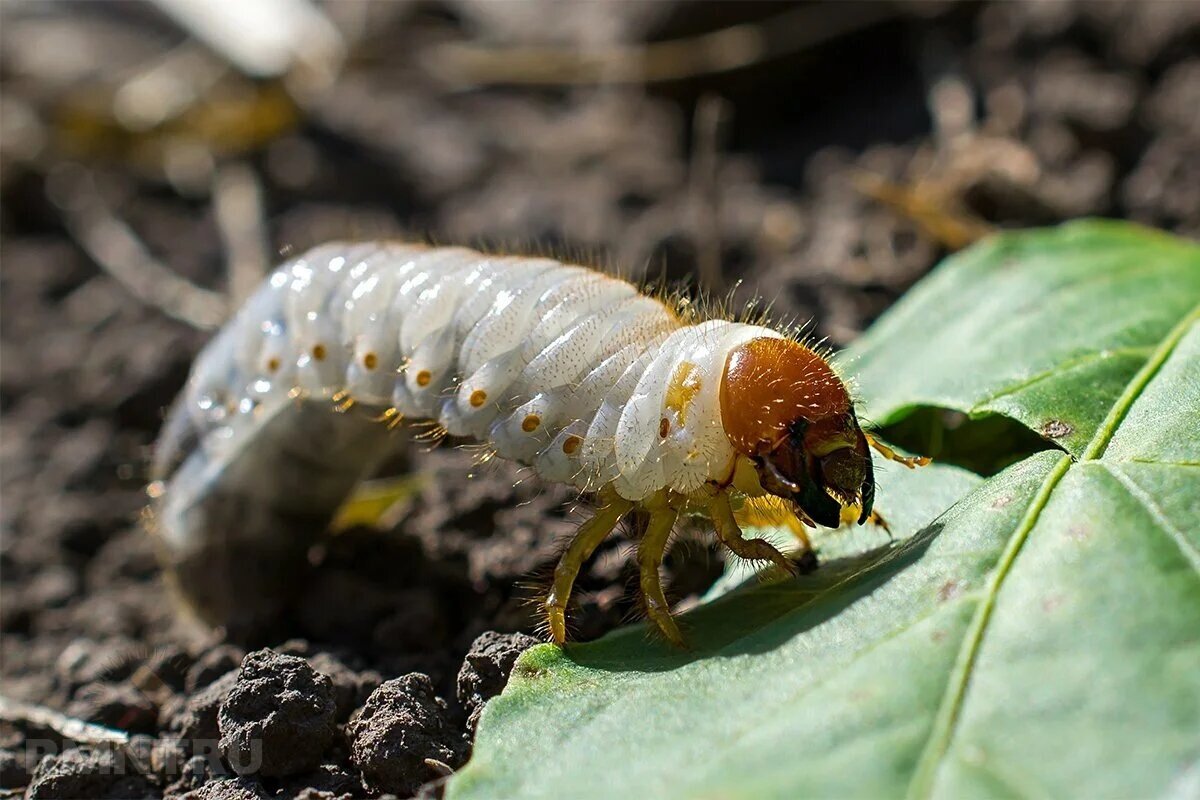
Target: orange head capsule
(785,408)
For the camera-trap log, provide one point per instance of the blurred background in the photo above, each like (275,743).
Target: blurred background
(156,158)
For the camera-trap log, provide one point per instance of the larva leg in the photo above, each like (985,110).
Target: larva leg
(588,538)
(850,515)
(650,556)
(912,462)
(767,511)
(731,536)
(877,519)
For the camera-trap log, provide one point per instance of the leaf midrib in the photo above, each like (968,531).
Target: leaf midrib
(942,730)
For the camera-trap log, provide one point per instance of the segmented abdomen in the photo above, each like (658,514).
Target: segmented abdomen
(556,366)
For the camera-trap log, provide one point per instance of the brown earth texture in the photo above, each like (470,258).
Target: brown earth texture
(820,157)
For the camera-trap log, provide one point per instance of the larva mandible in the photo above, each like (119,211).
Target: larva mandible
(559,367)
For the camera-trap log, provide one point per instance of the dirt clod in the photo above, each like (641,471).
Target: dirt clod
(326,782)
(351,689)
(617,177)
(486,668)
(228,789)
(278,718)
(402,724)
(192,774)
(196,719)
(85,772)
(212,665)
(13,774)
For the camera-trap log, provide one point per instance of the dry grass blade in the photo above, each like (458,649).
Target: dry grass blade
(117,249)
(723,50)
(28,715)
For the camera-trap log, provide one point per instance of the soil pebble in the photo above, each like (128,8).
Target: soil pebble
(194,773)
(351,689)
(212,665)
(228,789)
(325,782)
(997,126)
(403,725)
(13,774)
(197,719)
(86,772)
(279,716)
(486,668)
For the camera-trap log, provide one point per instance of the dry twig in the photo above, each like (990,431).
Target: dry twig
(237,203)
(28,715)
(474,63)
(117,249)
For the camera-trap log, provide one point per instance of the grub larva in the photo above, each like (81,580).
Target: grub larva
(572,372)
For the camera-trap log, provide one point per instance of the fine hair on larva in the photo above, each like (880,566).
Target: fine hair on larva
(641,403)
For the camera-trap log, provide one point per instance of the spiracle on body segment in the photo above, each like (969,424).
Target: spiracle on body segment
(572,372)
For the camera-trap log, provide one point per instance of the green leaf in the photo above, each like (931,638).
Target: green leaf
(1035,634)
(1046,327)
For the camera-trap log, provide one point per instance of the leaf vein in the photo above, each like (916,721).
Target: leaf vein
(938,744)
(1070,364)
(1134,389)
(1159,463)
(1147,502)
(956,687)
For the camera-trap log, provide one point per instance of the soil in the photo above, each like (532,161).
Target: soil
(825,177)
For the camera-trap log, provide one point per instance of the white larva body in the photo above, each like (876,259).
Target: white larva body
(526,354)
(569,371)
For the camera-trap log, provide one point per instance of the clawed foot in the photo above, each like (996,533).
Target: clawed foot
(912,462)
(650,552)
(807,562)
